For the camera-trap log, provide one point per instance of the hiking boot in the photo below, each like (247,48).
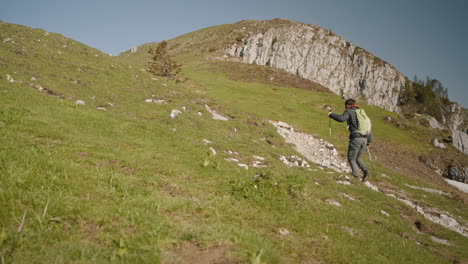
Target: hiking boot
(365,176)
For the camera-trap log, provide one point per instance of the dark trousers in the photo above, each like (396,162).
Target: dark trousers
(356,147)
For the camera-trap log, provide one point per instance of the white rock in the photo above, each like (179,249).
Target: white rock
(149,100)
(344,182)
(427,190)
(199,113)
(439,144)
(231,159)
(283,231)
(111,104)
(433,123)
(459,185)
(215,115)
(441,241)
(460,141)
(80,102)
(175,113)
(10,79)
(206,141)
(245,166)
(213,151)
(384,213)
(258,157)
(33,79)
(102,108)
(369,185)
(333,202)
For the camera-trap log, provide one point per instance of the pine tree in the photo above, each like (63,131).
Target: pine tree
(161,63)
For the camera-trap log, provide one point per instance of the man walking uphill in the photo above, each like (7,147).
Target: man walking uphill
(359,136)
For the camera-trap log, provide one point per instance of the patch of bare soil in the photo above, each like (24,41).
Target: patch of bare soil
(193,253)
(266,75)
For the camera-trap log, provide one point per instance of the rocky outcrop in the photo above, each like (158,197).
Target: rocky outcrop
(460,141)
(319,55)
(458,173)
(455,117)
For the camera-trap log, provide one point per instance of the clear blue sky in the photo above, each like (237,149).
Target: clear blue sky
(418,37)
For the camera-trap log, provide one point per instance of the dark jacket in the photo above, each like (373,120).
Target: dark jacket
(349,115)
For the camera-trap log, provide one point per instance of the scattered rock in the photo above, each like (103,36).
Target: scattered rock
(344,182)
(333,202)
(213,151)
(33,79)
(283,231)
(102,108)
(294,161)
(384,213)
(435,216)
(175,113)
(111,104)
(245,166)
(441,241)
(206,141)
(10,79)
(231,159)
(349,197)
(215,115)
(438,144)
(258,164)
(433,123)
(427,190)
(199,113)
(258,158)
(80,102)
(318,151)
(369,185)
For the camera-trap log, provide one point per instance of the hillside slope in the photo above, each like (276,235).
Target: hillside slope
(118,180)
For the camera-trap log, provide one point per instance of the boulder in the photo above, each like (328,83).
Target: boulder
(80,102)
(460,141)
(458,173)
(175,113)
(439,144)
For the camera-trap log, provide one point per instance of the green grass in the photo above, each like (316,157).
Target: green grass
(129,184)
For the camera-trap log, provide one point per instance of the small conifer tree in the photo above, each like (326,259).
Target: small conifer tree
(161,63)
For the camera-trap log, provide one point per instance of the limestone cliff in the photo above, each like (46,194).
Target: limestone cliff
(317,54)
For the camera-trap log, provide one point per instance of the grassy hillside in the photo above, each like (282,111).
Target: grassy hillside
(118,180)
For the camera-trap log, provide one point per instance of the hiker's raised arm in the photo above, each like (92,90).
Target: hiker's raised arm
(340,118)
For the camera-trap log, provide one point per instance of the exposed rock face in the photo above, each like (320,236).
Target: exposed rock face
(456,117)
(317,54)
(459,174)
(460,141)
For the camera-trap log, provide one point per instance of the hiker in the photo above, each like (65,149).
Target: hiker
(357,142)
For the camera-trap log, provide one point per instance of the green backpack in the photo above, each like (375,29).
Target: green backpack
(364,122)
